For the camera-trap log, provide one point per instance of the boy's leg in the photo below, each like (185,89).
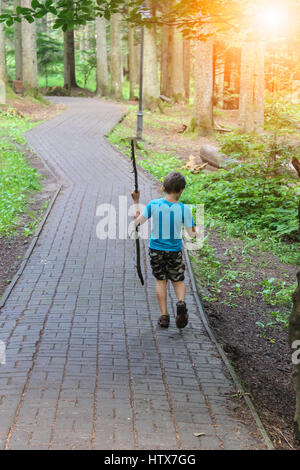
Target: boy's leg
(161,292)
(175,271)
(182,316)
(157,262)
(179,288)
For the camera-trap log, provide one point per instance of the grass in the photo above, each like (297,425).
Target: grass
(17,178)
(57,79)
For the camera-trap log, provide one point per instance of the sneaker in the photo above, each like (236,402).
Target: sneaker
(182,317)
(164,321)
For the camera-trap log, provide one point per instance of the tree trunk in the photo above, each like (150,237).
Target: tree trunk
(3,75)
(259,87)
(231,86)
(29,57)
(101,51)
(165,53)
(294,336)
(203,102)
(69,60)
(227,79)
(237,78)
(132,63)
(115,56)
(251,115)
(215,91)
(187,67)
(165,61)
(137,55)
(81,45)
(176,72)
(91,34)
(18,44)
(86,37)
(150,82)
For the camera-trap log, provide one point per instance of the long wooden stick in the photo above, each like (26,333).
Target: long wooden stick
(137,239)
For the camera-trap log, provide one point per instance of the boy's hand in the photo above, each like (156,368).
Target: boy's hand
(193,231)
(135,196)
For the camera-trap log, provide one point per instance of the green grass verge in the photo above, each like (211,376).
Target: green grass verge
(17,178)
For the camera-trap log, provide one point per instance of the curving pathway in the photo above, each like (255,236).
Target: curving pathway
(87,366)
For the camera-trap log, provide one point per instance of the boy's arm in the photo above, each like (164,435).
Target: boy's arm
(190,227)
(192,231)
(139,219)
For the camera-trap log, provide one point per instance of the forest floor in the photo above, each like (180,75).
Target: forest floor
(13,247)
(245,288)
(34,109)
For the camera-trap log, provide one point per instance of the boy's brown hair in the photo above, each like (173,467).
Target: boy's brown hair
(174,182)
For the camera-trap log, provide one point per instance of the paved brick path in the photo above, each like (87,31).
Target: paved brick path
(87,367)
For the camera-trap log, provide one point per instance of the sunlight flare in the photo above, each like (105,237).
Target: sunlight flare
(272,17)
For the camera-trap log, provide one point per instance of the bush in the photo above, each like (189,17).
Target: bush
(57,91)
(253,194)
(255,202)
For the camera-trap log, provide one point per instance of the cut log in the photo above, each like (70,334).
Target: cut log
(219,128)
(294,340)
(193,166)
(165,98)
(210,155)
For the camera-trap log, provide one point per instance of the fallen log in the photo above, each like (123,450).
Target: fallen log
(165,98)
(219,128)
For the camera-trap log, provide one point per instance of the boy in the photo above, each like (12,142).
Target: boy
(165,253)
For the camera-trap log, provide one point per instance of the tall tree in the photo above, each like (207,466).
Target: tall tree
(251,114)
(3,76)
(29,54)
(231,84)
(132,61)
(164,55)
(187,67)
(177,90)
(18,44)
(69,60)
(101,51)
(150,82)
(203,101)
(116,56)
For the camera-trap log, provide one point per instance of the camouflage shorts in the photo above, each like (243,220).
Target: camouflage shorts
(167,265)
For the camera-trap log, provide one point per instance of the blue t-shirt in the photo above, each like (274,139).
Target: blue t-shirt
(167,217)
